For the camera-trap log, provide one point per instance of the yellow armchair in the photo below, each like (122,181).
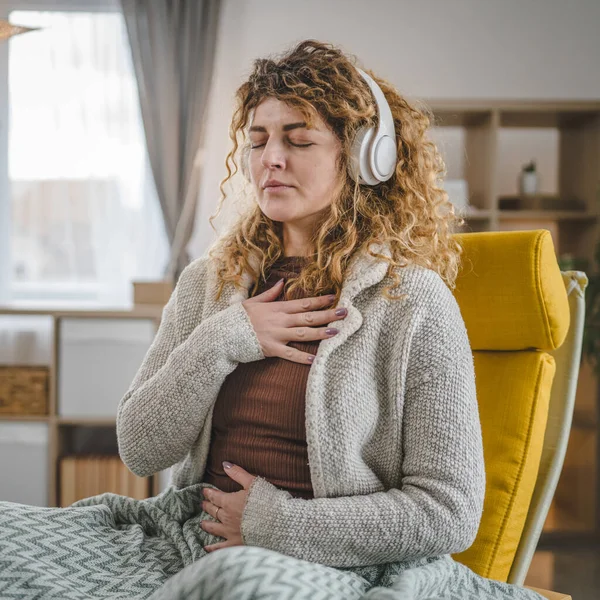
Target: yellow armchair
(525,324)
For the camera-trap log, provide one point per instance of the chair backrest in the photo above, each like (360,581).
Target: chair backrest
(516,311)
(560,415)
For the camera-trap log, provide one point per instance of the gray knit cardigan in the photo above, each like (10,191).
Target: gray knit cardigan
(392,422)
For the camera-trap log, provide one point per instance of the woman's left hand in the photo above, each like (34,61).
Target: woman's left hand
(231,508)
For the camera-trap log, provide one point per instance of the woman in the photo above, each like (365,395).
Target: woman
(327,419)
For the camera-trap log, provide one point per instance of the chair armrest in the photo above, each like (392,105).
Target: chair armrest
(550,595)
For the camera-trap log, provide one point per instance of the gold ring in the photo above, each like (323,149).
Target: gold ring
(217,513)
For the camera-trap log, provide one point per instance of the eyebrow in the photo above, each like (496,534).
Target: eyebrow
(287,127)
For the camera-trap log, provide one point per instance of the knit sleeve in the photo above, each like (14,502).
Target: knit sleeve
(437,508)
(162,412)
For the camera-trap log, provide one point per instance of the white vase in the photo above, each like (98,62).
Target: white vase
(528,183)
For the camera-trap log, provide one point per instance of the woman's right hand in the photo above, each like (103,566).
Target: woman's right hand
(277,323)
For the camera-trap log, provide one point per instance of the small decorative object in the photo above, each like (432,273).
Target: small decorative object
(528,180)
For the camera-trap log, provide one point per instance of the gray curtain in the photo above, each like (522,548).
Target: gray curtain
(173,48)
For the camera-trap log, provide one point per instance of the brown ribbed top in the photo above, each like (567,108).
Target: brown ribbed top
(259,417)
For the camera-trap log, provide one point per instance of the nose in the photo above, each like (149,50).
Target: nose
(273,155)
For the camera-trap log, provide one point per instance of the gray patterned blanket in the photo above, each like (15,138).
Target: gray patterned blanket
(112,546)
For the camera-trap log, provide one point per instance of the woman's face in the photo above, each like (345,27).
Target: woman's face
(302,159)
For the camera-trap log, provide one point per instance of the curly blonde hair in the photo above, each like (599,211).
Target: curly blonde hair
(410,212)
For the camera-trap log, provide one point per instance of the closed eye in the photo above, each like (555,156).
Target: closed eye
(292,143)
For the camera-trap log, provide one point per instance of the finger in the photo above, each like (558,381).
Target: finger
(213,527)
(217,497)
(293,355)
(276,289)
(210,508)
(213,547)
(315,318)
(306,333)
(269,294)
(306,304)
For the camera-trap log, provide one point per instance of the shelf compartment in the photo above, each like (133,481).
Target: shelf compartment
(24,390)
(466,140)
(87,439)
(90,475)
(549,115)
(25,480)
(98,359)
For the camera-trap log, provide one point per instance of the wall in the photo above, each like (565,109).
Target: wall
(430,49)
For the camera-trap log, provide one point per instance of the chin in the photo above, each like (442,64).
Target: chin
(279,211)
(280,216)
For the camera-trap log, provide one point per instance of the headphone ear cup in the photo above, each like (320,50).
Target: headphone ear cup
(384,158)
(360,167)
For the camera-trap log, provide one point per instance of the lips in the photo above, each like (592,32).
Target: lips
(275,183)
(278,187)
(272,188)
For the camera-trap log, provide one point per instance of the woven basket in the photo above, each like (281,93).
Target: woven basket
(23,390)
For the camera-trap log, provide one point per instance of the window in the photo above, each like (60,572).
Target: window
(84,216)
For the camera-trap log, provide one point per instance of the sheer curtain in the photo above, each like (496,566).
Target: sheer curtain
(85,216)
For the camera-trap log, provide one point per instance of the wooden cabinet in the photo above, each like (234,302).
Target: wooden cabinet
(575,502)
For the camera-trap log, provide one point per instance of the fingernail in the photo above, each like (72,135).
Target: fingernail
(282,279)
(227,465)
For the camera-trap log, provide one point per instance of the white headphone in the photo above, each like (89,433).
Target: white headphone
(373,156)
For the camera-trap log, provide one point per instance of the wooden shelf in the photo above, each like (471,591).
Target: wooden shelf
(554,215)
(446,116)
(576,498)
(474,136)
(517,113)
(584,420)
(563,519)
(137,312)
(87,421)
(30,418)
(480,215)
(534,215)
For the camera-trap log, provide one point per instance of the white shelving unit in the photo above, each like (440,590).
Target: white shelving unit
(94,356)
